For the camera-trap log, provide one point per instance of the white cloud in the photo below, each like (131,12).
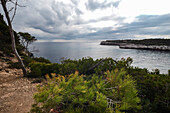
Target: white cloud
(133,8)
(102,24)
(98,13)
(72,19)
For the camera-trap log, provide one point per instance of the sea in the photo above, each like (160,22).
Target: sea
(56,51)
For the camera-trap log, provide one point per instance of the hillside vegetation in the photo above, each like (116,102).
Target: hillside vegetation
(5,39)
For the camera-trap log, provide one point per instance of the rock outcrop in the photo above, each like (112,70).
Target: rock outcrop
(137,46)
(146,47)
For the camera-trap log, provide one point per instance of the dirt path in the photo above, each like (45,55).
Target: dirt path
(16,92)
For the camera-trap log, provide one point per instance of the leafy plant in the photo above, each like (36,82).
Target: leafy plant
(41,59)
(73,93)
(153,87)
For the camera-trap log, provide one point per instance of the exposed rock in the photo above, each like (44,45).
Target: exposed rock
(150,47)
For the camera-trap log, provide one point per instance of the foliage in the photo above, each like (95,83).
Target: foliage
(41,59)
(82,65)
(26,39)
(5,39)
(14,65)
(40,68)
(73,93)
(26,60)
(153,87)
(153,90)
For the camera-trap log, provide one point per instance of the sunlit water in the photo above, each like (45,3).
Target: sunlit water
(54,51)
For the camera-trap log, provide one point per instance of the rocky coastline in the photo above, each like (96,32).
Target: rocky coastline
(127,45)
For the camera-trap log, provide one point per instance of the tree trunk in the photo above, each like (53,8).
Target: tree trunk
(3,3)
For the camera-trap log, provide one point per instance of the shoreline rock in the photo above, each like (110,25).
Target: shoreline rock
(150,47)
(137,46)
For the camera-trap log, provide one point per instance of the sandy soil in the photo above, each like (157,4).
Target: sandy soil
(16,92)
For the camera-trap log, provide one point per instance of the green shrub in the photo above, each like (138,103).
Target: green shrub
(156,71)
(5,39)
(75,94)
(27,60)
(14,65)
(153,87)
(39,69)
(41,59)
(67,68)
(35,68)
(153,90)
(7,50)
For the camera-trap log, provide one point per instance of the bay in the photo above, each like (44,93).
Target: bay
(149,59)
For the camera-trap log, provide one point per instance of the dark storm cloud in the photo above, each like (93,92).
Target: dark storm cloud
(148,24)
(54,18)
(62,10)
(93,5)
(145,25)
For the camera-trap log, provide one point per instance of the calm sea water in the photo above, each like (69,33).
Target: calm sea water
(54,51)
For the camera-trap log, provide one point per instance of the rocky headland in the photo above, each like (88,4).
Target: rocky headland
(146,44)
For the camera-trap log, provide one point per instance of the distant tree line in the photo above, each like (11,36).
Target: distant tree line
(144,41)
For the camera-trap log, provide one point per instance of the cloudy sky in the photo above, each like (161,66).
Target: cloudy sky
(56,20)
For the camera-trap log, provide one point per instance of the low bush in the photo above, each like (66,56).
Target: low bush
(41,59)
(26,60)
(153,87)
(14,65)
(38,69)
(84,66)
(75,94)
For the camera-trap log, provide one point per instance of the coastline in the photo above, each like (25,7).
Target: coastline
(147,44)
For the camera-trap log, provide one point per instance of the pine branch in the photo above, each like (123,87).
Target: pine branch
(11,9)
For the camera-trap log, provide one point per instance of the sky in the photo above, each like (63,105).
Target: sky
(76,20)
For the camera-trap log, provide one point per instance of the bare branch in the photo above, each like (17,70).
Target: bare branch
(96,65)
(22,41)
(111,102)
(34,50)
(111,88)
(13,38)
(14,11)
(11,9)
(15,3)
(4,1)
